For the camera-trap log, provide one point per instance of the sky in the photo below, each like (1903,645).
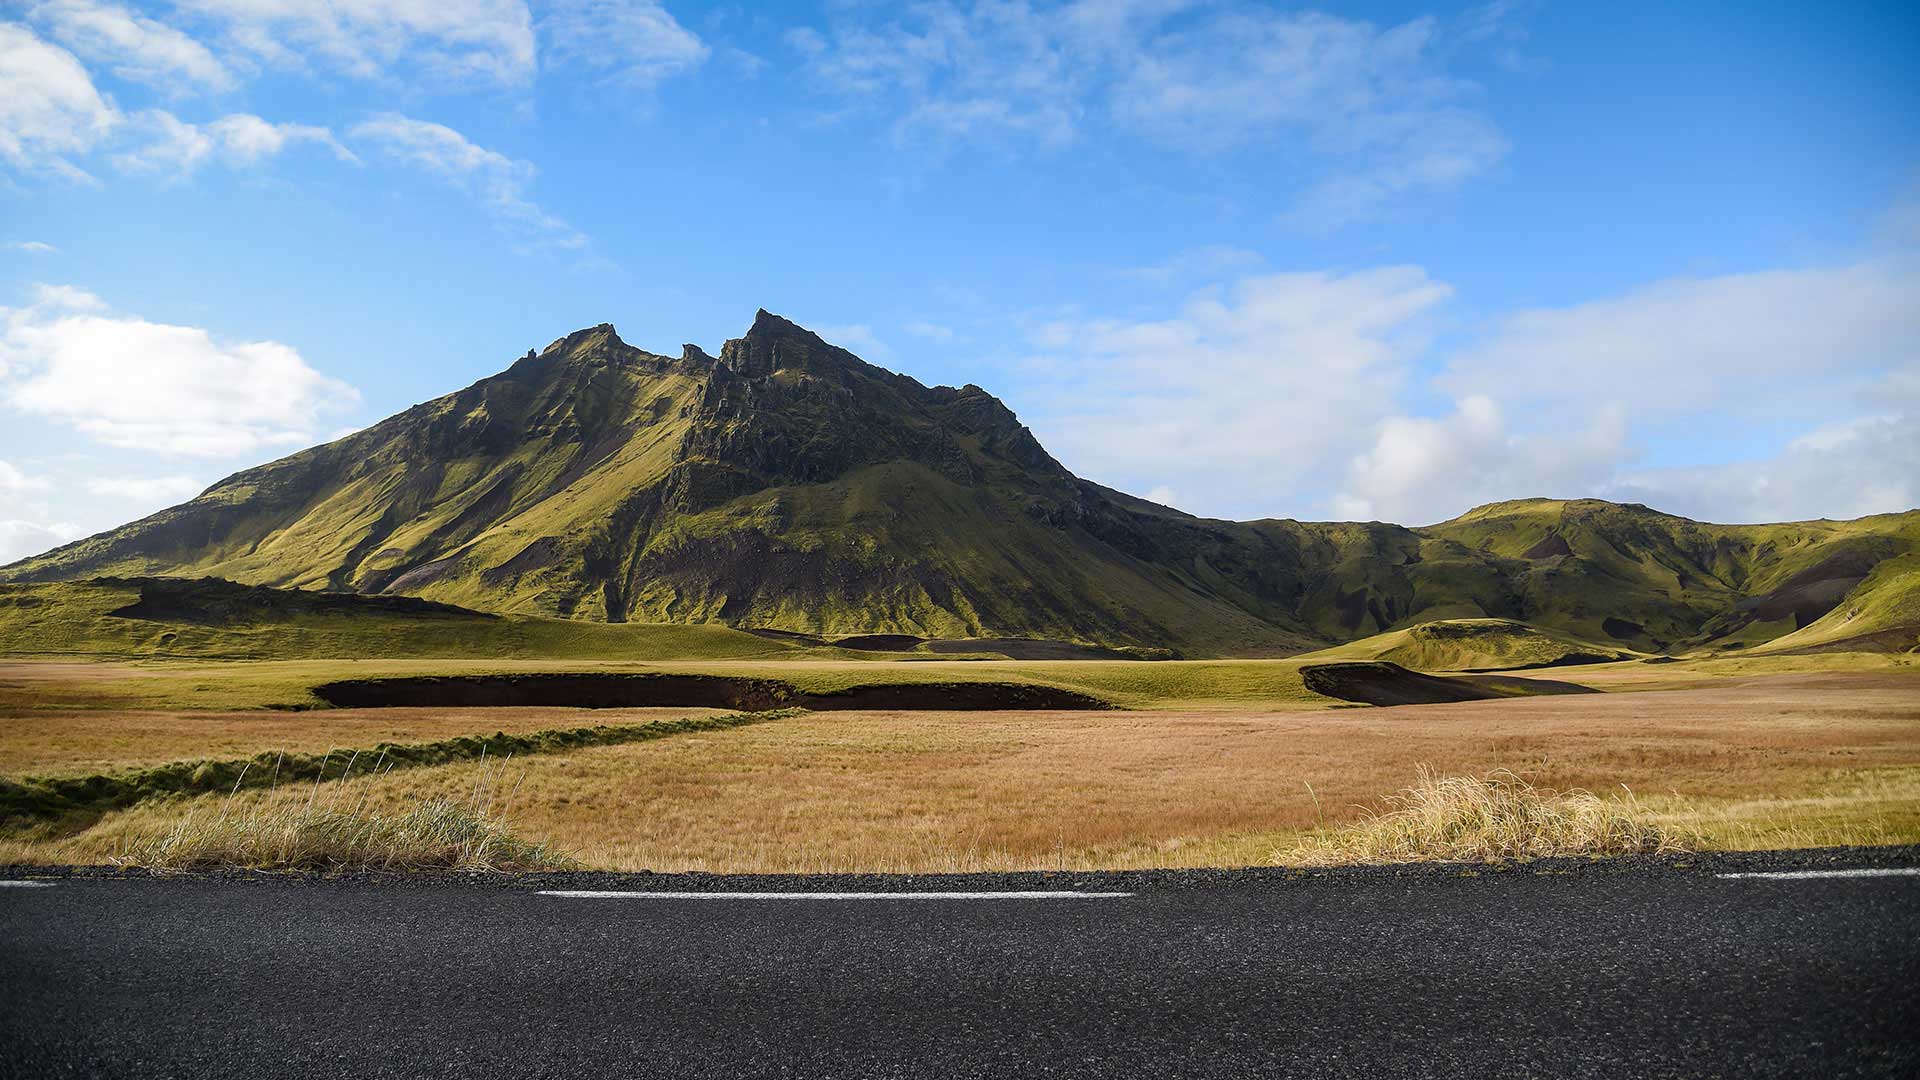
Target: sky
(1375,261)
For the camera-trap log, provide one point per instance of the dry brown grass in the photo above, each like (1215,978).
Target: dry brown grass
(1494,818)
(83,742)
(1794,761)
(439,833)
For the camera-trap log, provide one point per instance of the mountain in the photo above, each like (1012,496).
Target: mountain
(787,484)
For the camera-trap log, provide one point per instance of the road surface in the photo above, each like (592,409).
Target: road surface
(1662,971)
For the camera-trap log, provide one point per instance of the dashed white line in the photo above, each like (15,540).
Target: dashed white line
(26,884)
(596,894)
(1800,875)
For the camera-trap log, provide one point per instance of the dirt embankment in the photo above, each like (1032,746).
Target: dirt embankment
(1011,648)
(1381,683)
(600,691)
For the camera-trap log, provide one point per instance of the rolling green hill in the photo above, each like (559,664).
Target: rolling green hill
(1882,614)
(218,619)
(1472,645)
(789,485)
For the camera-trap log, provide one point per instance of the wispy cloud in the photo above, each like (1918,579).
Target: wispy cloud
(857,338)
(500,183)
(634,43)
(930,331)
(175,148)
(49,108)
(1367,110)
(155,490)
(133,46)
(33,247)
(465,41)
(1262,386)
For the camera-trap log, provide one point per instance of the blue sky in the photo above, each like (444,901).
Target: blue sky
(1375,260)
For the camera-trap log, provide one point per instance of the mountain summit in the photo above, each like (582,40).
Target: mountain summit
(789,484)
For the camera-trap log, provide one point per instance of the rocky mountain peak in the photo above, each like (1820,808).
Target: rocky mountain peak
(603,334)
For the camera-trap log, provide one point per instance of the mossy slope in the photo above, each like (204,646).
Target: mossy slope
(1473,645)
(218,619)
(789,485)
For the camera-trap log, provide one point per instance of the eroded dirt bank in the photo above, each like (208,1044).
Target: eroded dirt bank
(603,691)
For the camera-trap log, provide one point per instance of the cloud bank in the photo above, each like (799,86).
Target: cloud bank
(125,381)
(1327,394)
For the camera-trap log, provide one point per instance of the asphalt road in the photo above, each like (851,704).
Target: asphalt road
(1661,971)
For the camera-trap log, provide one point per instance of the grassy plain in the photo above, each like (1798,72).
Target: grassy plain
(37,684)
(1747,759)
(286,684)
(84,742)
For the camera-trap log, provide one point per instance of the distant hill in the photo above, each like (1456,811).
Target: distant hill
(1473,645)
(789,485)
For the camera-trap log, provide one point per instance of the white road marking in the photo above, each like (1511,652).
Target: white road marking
(1800,875)
(595,894)
(26,884)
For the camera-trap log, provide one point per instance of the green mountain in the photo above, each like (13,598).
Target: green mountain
(789,485)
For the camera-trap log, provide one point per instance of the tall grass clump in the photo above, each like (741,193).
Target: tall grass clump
(440,833)
(1494,818)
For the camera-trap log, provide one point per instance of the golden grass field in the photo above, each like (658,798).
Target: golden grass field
(79,742)
(1217,763)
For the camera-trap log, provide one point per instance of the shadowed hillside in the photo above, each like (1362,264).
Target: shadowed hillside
(789,485)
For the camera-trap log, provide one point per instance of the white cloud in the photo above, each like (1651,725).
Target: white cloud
(66,297)
(13,481)
(857,338)
(1785,394)
(749,65)
(1404,152)
(1211,263)
(19,539)
(1364,112)
(134,46)
(930,331)
(247,138)
(635,42)
(1808,379)
(172,146)
(128,382)
(158,490)
(947,72)
(177,148)
(33,247)
(1426,469)
(49,107)
(1778,343)
(1240,400)
(462,40)
(20,536)
(1874,469)
(497,181)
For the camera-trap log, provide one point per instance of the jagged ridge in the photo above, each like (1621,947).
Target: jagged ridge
(789,484)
